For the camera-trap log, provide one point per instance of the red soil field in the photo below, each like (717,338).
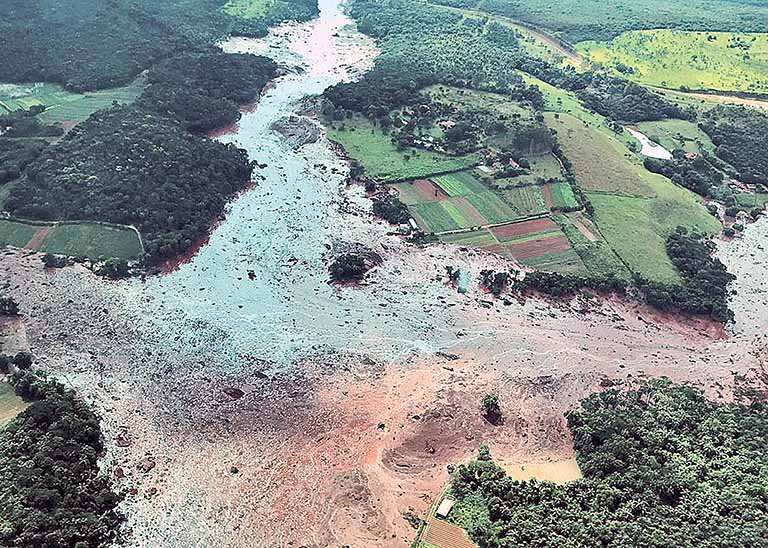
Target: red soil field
(446,535)
(537,248)
(546,192)
(429,191)
(37,238)
(507,232)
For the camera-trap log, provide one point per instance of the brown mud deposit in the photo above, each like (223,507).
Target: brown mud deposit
(333,451)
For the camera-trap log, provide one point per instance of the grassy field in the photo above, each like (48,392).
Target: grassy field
(10,404)
(61,105)
(248,9)
(674,134)
(526,200)
(381,158)
(76,240)
(491,207)
(482,100)
(16,234)
(600,163)
(559,101)
(637,228)
(748,199)
(722,61)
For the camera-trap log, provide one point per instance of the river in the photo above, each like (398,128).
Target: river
(258,290)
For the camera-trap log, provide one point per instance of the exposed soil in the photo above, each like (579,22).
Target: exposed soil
(37,238)
(537,248)
(429,190)
(507,232)
(331,452)
(546,192)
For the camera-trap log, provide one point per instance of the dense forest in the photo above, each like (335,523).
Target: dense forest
(86,45)
(422,45)
(126,165)
(578,20)
(139,164)
(662,466)
(51,491)
(740,135)
(204,90)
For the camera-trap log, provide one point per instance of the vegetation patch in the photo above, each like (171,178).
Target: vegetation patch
(384,160)
(723,61)
(685,457)
(51,489)
(678,135)
(16,234)
(578,20)
(562,196)
(599,162)
(526,201)
(459,184)
(10,404)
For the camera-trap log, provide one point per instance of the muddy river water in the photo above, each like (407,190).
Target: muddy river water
(259,288)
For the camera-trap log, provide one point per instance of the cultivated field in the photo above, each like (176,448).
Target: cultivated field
(89,240)
(722,61)
(559,196)
(453,202)
(381,159)
(598,257)
(526,200)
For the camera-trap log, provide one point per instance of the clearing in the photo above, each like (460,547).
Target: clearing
(62,106)
(678,134)
(383,160)
(10,404)
(91,240)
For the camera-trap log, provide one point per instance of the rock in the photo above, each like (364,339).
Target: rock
(122,440)
(234,393)
(147,465)
(234,469)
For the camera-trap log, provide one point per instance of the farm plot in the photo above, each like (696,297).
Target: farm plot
(539,244)
(453,202)
(601,163)
(559,196)
(462,183)
(90,240)
(526,201)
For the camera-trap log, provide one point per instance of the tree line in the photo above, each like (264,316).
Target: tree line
(662,466)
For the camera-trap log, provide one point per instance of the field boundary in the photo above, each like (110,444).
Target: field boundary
(493,225)
(435,174)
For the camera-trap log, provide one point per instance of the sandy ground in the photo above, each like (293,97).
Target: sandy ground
(333,451)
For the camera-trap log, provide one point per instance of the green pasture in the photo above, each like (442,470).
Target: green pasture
(16,234)
(248,9)
(76,240)
(722,61)
(678,134)
(601,163)
(433,217)
(562,196)
(64,106)
(637,228)
(749,199)
(560,101)
(382,160)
